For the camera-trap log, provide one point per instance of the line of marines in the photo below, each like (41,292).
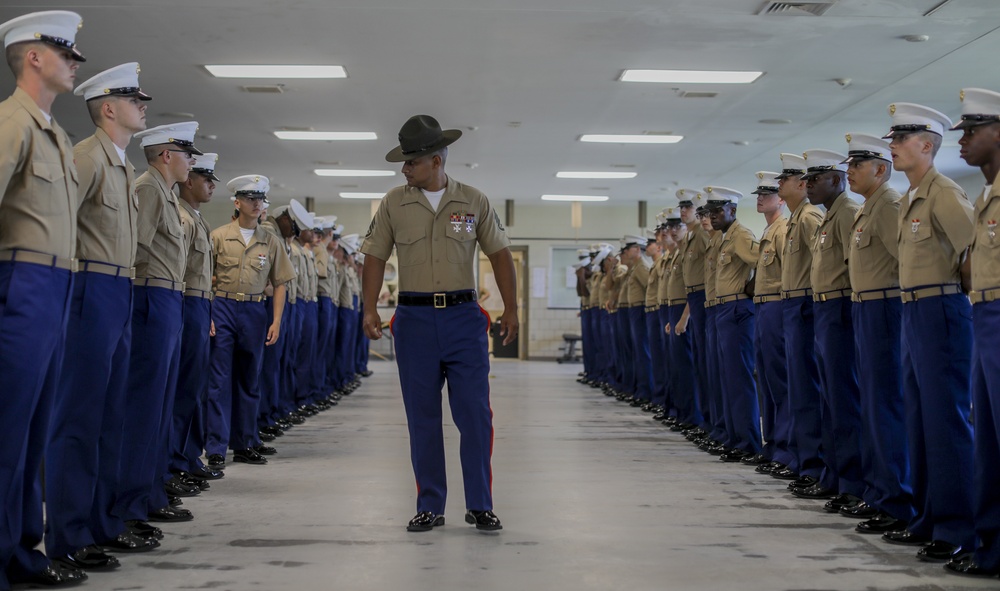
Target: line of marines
(134,339)
(852,350)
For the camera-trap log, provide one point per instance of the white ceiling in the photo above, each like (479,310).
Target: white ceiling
(550,65)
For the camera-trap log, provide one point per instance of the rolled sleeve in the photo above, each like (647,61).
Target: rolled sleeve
(379,240)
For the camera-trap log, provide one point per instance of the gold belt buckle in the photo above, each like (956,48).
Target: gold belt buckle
(440,301)
(241,297)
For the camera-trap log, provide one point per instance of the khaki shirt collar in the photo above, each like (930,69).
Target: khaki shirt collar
(838,204)
(451,193)
(109,147)
(925,185)
(29,105)
(732,230)
(233,233)
(994,192)
(168,191)
(868,208)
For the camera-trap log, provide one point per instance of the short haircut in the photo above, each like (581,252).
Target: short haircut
(95,107)
(443,153)
(15,56)
(933,138)
(152,152)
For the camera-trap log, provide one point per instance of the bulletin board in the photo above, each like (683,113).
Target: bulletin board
(562,277)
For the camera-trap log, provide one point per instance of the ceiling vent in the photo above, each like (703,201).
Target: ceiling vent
(686,94)
(269,89)
(796,8)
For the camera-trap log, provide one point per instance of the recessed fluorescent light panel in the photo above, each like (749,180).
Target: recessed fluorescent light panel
(326,136)
(595,175)
(631,139)
(689,76)
(276,71)
(574,197)
(362,195)
(348,173)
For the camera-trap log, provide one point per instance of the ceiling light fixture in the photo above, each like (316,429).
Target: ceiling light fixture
(362,195)
(276,71)
(342,172)
(689,76)
(574,197)
(631,139)
(325,136)
(595,175)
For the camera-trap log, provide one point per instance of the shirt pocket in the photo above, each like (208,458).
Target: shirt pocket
(725,258)
(412,246)
(227,272)
(111,199)
(461,247)
(768,257)
(47,188)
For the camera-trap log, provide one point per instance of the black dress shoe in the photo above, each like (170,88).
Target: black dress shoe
(54,575)
(265,450)
(294,419)
(734,455)
(208,474)
(769,468)
(484,520)
(249,456)
(816,491)
(176,488)
(940,551)
(862,510)
(660,416)
(785,473)
(89,558)
(841,501)
(880,524)
(425,521)
(755,460)
(802,482)
(170,515)
(904,538)
(144,530)
(265,436)
(216,461)
(129,543)
(366,373)
(969,567)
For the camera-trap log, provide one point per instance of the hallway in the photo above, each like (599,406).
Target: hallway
(592,494)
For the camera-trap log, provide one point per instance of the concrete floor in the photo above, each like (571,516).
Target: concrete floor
(592,494)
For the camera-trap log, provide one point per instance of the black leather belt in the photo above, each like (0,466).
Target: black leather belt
(438,300)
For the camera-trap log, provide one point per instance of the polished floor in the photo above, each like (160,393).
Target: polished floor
(592,494)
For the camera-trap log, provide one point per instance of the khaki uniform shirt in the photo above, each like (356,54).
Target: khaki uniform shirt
(711,266)
(345,297)
(612,284)
(623,292)
(666,268)
(247,268)
(298,258)
(595,288)
(333,272)
(738,254)
(38,181)
(638,280)
(200,264)
(985,243)
(653,284)
(935,228)
(436,249)
(322,256)
(796,261)
(162,249)
(312,279)
(696,245)
(769,266)
(676,289)
(873,256)
(829,264)
(108,208)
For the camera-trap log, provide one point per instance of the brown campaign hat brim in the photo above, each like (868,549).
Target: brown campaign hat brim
(448,137)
